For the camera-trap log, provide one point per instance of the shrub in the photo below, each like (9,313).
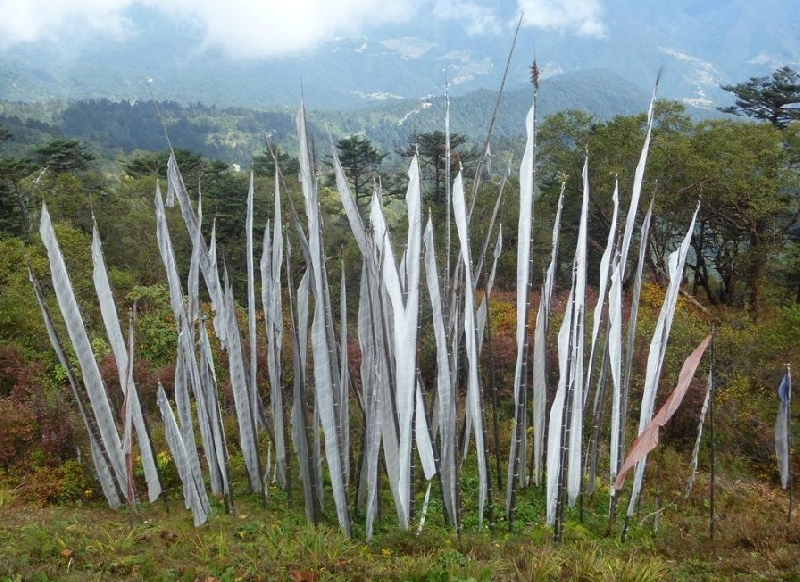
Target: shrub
(18,434)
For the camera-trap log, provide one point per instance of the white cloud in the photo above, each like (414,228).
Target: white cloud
(582,17)
(258,28)
(476,18)
(241,28)
(34,20)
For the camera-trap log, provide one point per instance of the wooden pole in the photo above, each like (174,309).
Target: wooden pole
(711,490)
(127,420)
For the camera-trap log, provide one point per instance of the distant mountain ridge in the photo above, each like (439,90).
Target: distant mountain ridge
(236,134)
(600,93)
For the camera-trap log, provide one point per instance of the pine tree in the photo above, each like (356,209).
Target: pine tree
(360,161)
(775,98)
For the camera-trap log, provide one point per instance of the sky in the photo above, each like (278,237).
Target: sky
(262,29)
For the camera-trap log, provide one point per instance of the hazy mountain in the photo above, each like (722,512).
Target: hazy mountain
(599,92)
(697,45)
(236,134)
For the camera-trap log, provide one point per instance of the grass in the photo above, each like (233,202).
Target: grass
(91,542)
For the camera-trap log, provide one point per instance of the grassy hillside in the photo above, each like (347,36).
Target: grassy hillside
(83,541)
(743,287)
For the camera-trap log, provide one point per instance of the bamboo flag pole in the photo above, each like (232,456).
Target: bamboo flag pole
(566,425)
(565,421)
(711,396)
(128,420)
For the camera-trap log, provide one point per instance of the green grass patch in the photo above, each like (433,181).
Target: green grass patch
(90,542)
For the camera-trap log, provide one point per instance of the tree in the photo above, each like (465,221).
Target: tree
(13,201)
(13,170)
(264,164)
(62,156)
(360,161)
(155,164)
(614,148)
(774,98)
(740,171)
(20,319)
(432,151)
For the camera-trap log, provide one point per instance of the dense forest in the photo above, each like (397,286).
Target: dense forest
(99,163)
(235,134)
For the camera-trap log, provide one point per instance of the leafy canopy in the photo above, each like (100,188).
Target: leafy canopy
(63,156)
(775,98)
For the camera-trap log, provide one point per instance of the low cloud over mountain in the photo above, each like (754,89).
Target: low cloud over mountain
(343,52)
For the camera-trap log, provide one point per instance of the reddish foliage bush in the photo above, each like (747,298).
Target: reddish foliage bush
(34,413)
(19,376)
(18,434)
